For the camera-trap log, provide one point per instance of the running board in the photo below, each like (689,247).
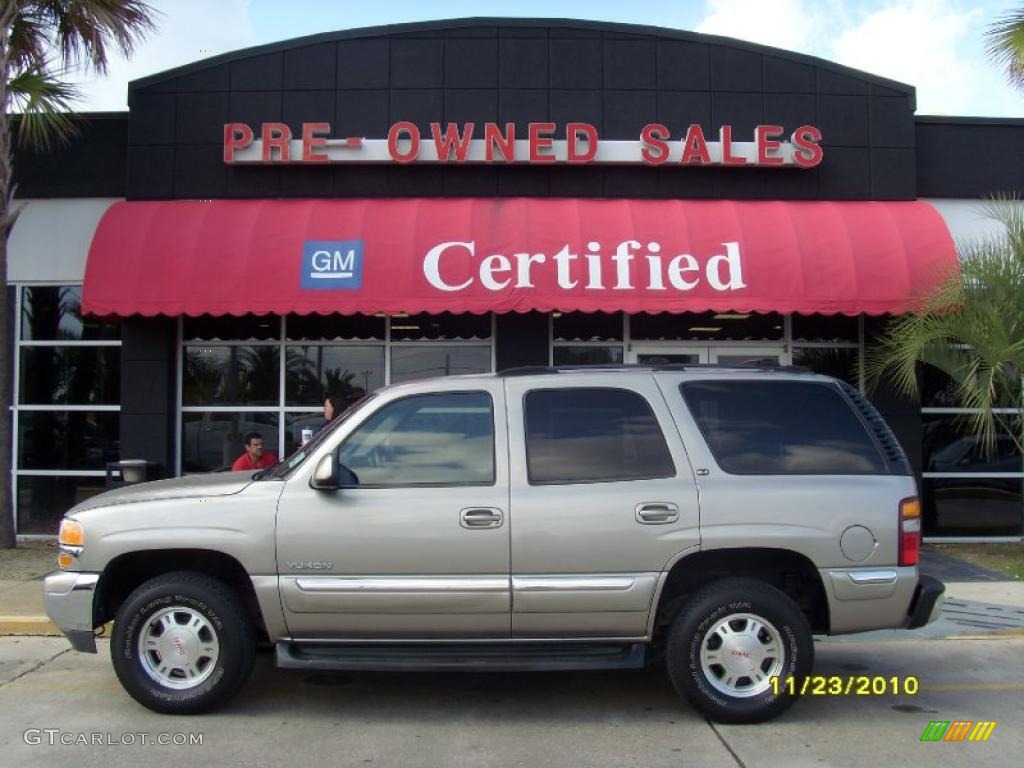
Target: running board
(466,657)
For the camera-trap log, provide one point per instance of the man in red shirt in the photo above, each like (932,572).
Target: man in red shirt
(254,457)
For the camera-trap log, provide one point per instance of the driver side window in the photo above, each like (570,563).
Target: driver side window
(440,439)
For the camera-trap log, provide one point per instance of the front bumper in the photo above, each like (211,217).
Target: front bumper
(927,603)
(69,604)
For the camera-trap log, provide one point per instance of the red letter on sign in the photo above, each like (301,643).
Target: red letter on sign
(573,132)
(728,158)
(451,138)
(414,142)
(695,147)
(506,144)
(538,142)
(764,136)
(236,136)
(276,136)
(310,141)
(807,153)
(653,147)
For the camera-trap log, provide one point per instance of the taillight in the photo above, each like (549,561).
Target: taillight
(910,531)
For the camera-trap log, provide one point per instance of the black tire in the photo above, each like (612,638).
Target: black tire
(225,643)
(719,692)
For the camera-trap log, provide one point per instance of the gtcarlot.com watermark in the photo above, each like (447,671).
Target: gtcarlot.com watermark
(56,737)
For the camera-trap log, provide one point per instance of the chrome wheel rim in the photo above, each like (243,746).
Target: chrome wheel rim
(740,654)
(178,647)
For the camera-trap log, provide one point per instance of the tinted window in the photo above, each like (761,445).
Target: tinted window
(593,435)
(781,428)
(442,439)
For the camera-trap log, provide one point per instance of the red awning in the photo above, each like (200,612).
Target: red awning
(513,255)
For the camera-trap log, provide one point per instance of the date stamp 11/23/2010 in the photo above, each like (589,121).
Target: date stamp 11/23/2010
(852,685)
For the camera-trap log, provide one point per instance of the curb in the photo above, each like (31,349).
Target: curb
(29,625)
(40,626)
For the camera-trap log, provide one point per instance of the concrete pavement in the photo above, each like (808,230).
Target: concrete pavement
(612,719)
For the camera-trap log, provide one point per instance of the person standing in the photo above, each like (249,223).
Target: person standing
(254,457)
(331,408)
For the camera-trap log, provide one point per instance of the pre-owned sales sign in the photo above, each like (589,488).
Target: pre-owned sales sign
(770,146)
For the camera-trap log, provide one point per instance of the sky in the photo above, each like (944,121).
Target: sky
(935,45)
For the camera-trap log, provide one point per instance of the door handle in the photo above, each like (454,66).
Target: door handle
(656,513)
(480,517)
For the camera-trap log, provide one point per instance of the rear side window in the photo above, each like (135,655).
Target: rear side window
(781,428)
(593,435)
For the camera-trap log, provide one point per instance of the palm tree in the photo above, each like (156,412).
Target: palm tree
(39,41)
(1004,43)
(971,330)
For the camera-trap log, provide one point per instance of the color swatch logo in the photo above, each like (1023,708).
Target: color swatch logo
(958,730)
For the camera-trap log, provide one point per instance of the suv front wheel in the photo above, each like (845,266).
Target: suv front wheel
(733,647)
(182,644)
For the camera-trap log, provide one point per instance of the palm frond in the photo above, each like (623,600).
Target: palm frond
(1004,43)
(45,104)
(83,29)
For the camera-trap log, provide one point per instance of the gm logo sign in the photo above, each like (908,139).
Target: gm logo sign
(332,265)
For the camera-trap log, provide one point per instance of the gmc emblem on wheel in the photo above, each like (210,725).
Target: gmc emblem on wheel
(311,565)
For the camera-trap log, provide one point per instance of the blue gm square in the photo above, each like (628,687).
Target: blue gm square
(332,265)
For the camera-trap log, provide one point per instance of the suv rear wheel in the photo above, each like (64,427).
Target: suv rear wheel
(182,644)
(728,643)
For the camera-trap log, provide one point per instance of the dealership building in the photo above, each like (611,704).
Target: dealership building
(356,208)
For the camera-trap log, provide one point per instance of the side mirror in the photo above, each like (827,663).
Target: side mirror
(325,476)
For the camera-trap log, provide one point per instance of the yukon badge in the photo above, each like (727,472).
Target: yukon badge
(311,565)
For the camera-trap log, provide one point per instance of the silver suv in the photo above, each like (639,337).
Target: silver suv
(537,519)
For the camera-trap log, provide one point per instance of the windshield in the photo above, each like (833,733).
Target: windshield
(294,461)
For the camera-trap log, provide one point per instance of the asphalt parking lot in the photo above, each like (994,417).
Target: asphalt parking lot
(631,718)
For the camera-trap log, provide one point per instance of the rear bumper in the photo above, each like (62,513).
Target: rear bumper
(892,597)
(927,603)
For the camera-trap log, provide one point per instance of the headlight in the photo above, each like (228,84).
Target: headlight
(71,539)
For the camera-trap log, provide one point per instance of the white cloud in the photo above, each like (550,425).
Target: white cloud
(935,45)
(187,30)
(923,43)
(789,24)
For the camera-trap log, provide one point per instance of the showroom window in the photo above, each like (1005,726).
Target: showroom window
(971,492)
(67,404)
(270,374)
(828,344)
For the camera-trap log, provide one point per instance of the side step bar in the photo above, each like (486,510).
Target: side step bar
(466,657)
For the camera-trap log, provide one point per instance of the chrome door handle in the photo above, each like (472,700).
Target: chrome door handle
(657,513)
(480,517)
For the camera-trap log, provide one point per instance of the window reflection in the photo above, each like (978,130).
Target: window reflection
(587,355)
(54,313)
(346,372)
(416,362)
(42,501)
(231,375)
(67,440)
(949,446)
(967,506)
(70,376)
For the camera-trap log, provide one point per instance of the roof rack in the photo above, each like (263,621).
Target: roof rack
(534,370)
